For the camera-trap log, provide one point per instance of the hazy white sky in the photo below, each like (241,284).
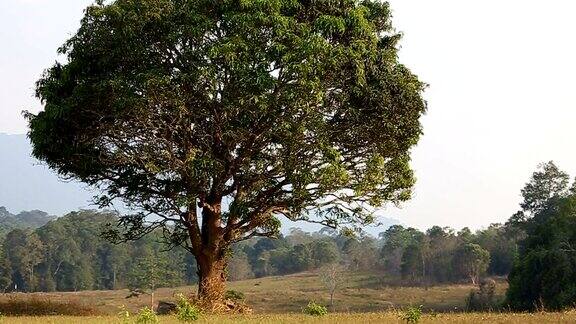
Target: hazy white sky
(501,96)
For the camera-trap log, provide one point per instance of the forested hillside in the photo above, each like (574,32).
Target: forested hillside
(26,219)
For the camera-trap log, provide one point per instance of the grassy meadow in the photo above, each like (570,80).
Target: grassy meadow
(289,294)
(363,298)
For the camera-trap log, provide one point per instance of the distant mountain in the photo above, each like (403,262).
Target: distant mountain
(26,184)
(26,219)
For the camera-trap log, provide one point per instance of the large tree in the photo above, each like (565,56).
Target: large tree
(543,275)
(213,118)
(548,182)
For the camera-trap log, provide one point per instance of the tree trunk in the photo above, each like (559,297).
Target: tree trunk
(114,279)
(211,254)
(31,288)
(332,300)
(211,278)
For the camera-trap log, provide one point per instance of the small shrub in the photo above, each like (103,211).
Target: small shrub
(315,309)
(124,315)
(234,295)
(146,316)
(412,314)
(185,311)
(482,298)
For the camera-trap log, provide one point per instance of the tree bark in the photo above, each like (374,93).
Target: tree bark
(212,277)
(210,253)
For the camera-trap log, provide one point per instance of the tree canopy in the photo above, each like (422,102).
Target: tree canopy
(219,117)
(543,275)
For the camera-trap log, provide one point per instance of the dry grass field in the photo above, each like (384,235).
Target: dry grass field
(361,299)
(289,294)
(344,318)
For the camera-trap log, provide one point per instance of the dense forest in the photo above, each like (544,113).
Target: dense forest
(28,219)
(69,254)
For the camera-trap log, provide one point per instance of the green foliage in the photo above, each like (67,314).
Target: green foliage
(74,257)
(501,242)
(324,252)
(412,314)
(543,276)
(472,261)
(23,251)
(146,316)
(234,295)
(185,311)
(301,257)
(173,103)
(396,240)
(315,309)
(68,254)
(23,220)
(546,183)
(281,108)
(5,272)
(152,271)
(412,265)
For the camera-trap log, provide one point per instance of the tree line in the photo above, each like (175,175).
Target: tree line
(401,255)
(70,254)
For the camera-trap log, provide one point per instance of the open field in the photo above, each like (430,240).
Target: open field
(289,294)
(363,298)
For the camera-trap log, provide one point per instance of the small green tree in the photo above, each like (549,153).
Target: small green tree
(146,316)
(411,315)
(151,272)
(472,261)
